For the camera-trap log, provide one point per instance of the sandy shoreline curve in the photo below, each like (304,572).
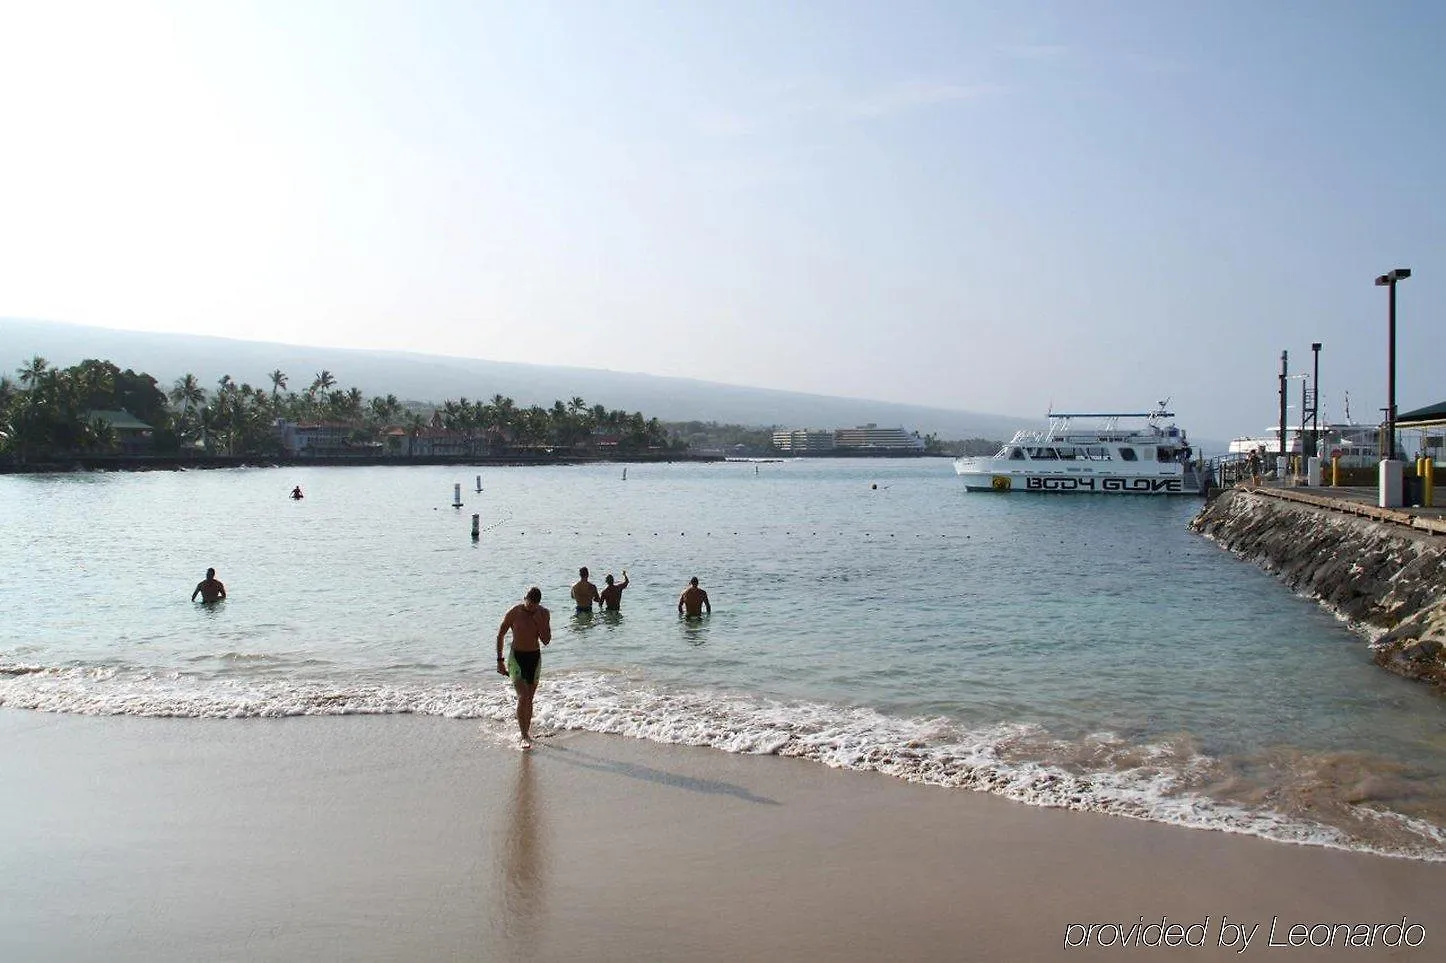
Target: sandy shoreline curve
(416,838)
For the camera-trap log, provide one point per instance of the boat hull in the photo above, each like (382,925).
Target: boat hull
(1178,483)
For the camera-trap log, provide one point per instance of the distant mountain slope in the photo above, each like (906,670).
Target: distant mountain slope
(433,378)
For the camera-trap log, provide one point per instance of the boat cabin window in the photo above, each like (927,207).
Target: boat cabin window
(1097,453)
(1127,454)
(1044,453)
(1016,454)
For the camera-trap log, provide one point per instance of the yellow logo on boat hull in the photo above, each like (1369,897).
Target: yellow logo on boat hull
(1001,483)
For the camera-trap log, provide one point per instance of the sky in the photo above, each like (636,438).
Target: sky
(999,207)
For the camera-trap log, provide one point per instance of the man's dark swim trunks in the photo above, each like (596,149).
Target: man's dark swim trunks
(525,666)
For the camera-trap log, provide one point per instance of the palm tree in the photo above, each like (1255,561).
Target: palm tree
(354,401)
(188,393)
(415,423)
(278,381)
(324,381)
(98,435)
(32,371)
(504,410)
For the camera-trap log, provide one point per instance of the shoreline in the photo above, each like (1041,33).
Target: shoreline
(410,837)
(141,463)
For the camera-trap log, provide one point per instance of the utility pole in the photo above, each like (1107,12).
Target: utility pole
(1284,367)
(1315,401)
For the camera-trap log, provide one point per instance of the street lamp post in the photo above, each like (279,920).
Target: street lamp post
(1315,402)
(1280,441)
(1388,281)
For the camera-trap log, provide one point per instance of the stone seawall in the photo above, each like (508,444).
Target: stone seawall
(1388,580)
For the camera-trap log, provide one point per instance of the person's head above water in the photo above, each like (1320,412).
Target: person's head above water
(582,571)
(534,595)
(210,573)
(693,581)
(608,578)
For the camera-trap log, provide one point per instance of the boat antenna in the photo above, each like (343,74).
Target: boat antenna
(1348,407)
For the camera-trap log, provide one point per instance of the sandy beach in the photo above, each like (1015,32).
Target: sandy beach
(412,838)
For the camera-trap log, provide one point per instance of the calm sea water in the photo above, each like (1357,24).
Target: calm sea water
(1087,651)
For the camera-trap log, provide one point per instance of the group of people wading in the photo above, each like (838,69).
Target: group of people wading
(530,624)
(531,627)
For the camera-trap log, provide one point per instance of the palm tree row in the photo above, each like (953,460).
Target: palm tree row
(49,412)
(565,424)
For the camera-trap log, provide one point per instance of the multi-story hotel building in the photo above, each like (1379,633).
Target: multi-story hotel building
(870,438)
(802,439)
(873,437)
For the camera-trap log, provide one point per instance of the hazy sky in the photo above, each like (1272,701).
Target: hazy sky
(989,206)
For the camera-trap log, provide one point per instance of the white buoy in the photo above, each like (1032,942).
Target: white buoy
(457,495)
(476,526)
(479,483)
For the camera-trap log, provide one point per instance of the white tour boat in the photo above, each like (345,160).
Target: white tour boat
(1357,446)
(1120,453)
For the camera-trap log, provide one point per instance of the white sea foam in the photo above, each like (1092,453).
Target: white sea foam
(1020,762)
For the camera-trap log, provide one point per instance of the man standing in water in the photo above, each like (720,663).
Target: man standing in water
(584,593)
(612,596)
(530,624)
(210,588)
(694,599)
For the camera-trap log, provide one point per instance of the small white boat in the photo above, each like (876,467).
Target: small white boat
(1112,453)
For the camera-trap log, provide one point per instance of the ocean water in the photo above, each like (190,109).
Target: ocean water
(1088,652)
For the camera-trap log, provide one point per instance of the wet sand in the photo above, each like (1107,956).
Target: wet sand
(412,838)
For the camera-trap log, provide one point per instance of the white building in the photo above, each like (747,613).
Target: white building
(874,438)
(313,438)
(803,439)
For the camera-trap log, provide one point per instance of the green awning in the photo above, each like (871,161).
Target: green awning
(1423,417)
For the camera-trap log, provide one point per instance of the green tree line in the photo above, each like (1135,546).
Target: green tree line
(47,411)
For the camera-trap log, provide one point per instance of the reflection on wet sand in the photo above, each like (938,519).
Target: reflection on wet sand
(523,867)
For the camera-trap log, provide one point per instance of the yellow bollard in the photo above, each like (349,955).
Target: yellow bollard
(1335,471)
(1428,485)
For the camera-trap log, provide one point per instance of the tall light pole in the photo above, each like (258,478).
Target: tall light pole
(1389,281)
(1280,442)
(1314,402)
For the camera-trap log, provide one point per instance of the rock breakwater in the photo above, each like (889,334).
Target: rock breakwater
(1387,580)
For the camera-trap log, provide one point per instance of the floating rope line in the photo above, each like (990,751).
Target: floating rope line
(497,524)
(787,534)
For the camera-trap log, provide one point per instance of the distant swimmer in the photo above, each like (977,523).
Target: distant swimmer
(612,596)
(296,493)
(694,599)
(210,588)
(530,624)
(584,593)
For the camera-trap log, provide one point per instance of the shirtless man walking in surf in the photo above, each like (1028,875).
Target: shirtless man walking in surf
(531,624)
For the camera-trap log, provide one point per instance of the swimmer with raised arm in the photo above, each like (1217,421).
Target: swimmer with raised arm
(612,596)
